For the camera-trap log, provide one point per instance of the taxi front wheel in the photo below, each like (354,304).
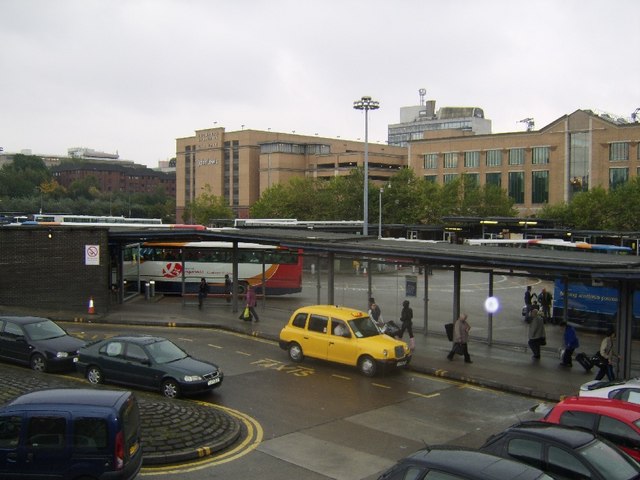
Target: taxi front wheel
(295,352)
(367,366)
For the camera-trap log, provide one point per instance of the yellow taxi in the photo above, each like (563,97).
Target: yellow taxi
(343,335)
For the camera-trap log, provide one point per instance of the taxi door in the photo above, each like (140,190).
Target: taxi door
(342,346)
(316,338)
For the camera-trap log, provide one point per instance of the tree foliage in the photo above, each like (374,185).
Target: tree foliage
(26,185)
(405,199)
(206,207)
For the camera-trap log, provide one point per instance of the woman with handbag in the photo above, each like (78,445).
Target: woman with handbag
(460,338)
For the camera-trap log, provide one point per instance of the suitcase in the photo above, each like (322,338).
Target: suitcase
(391,328)
(585,361)
(448,327)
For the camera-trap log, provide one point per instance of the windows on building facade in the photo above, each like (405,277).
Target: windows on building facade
(540,186)
(449,177)
(494,178)
(618,176)
(516,186)
(472,159)
(618,152)
(516,156)
(494,158)
(430,161)
(451,160)
(540,155)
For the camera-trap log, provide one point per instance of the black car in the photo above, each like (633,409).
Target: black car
(149,362)
(38,342)
(452,463)
(565,453)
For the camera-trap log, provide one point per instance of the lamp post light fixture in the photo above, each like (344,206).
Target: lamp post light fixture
(366,104)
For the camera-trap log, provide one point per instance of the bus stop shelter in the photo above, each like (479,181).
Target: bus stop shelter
(623,271)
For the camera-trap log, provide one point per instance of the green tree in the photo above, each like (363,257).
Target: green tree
(22,177)
(591,210)
(207,206)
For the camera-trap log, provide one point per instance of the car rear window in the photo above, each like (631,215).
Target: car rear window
(572,418)
(90,433)
(300,320)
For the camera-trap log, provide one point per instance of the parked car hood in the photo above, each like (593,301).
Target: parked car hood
(192,366)
(66,343)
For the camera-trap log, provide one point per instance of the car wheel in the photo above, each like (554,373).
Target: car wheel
(94,375)
(367,366)
(38,363)
(170,388)
(295,352)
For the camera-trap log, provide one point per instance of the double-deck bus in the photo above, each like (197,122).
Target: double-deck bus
(174,264)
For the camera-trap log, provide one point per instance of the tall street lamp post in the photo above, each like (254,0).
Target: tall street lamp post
(380,213)
(366,104)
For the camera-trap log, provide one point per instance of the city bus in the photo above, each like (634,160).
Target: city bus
(170,264)
(67,219)
(552,244)
(591,307)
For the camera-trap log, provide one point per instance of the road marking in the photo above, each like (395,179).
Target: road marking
(342,377)
(243,353)
(214,346)
(380,385)
(186,339)
(431,395)
(254,437)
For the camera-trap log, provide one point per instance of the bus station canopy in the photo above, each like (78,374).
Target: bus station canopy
(534,261)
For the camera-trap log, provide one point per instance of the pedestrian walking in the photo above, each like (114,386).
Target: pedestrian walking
(203,290)
(545,298)
(537,334)
(228,287)
(375,312)
(406,320)
(571,343)
(529,297)
(606,356)
(251,302)
(461,338)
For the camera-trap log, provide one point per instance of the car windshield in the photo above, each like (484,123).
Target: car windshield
(612,464)
(43,330)
(165,351)
(364,327)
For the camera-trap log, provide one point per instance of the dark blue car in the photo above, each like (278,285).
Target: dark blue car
(70,434)
(37,342)
(149,362)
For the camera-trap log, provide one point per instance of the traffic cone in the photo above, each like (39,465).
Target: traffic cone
(92,310)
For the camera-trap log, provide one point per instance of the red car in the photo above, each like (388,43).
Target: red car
(615,420)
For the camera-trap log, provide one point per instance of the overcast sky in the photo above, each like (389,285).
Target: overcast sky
(133,75)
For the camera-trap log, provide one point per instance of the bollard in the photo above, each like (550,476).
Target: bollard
(313,268)
(146,291)
(152,288)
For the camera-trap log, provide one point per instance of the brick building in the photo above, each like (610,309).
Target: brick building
(574,153)
(240,165)
(112,177)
